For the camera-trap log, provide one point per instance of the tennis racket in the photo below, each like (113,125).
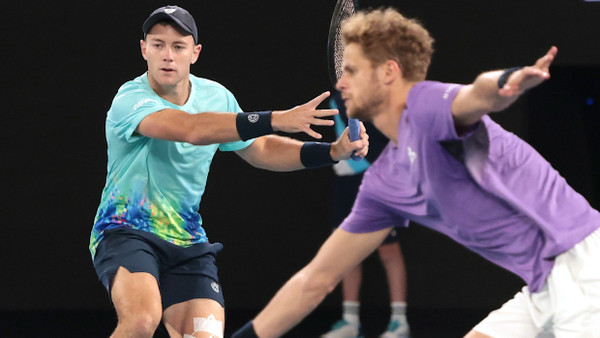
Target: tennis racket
(335,54)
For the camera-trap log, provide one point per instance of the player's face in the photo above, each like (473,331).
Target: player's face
(361,89)
(169,55)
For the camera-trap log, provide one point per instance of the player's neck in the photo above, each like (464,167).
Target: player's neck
(388,120)
(177,94)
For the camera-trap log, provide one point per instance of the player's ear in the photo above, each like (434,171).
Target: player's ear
(391,71)
(143,49)
(197,49)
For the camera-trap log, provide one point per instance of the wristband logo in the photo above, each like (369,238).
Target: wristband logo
(253,118)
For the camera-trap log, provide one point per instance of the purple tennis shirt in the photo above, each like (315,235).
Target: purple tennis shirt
(489,190)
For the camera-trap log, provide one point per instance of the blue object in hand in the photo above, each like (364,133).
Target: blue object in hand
(354,131)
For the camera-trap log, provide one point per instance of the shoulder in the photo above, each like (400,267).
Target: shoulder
(207,84)
(212,95)
(209,95)
(138,86)
(429,108)
(432,91)
(133,97)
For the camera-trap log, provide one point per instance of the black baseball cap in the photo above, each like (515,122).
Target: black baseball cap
(178,15)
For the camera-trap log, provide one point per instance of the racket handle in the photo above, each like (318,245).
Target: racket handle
(354,131)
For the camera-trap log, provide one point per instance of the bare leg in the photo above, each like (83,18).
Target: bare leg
(351,284)
(138,304)
(393,262)
(304,291)
(475,334)
(349,325)
(209,314)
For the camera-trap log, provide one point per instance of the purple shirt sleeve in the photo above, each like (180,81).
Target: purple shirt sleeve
(369,215)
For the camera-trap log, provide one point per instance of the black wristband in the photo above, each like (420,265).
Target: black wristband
(251,125)
(504,77)
(316,154)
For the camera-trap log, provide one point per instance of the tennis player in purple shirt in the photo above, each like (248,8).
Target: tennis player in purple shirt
(449,167)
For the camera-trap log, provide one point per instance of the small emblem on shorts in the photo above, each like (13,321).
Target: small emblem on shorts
(215,286)
(253,118)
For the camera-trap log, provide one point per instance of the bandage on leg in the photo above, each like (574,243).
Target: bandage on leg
(209,325)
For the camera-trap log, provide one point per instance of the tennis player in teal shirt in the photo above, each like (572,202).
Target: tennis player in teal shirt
(148,242)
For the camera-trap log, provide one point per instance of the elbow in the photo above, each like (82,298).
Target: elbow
(195,140)
(488,104)
(198,137)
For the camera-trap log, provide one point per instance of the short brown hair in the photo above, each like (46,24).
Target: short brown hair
(385,34)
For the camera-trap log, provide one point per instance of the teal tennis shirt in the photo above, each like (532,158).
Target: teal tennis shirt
(156,185)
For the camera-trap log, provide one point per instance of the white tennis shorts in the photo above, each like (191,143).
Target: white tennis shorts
(567,306)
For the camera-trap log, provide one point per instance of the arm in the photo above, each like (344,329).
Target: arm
(208,128)
(273,152)
(280,153)
(483,96)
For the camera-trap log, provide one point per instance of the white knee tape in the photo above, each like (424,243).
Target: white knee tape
(210,325)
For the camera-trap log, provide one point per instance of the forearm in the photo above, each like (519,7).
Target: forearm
(277,153)
(479,98)
(273,152)
(198,129)
(488,92)
(212,128)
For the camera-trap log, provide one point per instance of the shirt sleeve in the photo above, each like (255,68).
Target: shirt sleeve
(370,215)
(128,109)
(430,108)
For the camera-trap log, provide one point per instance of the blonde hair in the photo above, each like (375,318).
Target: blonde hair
(385,34)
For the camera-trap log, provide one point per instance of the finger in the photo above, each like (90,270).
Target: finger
(312,133)
(552,51)
(546,60)
(530,73)
(362,152)
(359,145)
(322,122)
(363,130)
(317,100)
(325,112)
(533,72)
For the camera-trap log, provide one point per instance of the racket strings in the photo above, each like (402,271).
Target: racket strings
(347,11)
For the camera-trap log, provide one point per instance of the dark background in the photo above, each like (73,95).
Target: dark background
(64,61)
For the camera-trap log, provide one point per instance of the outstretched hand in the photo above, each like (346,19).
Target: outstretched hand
(302,117)
(530,76)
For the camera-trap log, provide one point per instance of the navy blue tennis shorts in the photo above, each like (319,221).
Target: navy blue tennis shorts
(183,273)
